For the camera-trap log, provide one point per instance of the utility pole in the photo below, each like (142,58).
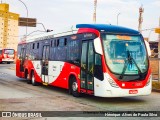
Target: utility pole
(141,10)
(94,13)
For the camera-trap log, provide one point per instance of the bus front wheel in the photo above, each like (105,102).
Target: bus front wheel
(74,87)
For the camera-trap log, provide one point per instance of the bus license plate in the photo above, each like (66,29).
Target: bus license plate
(133,91)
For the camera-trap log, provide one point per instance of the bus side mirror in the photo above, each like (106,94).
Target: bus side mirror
(148,48)
(98,46)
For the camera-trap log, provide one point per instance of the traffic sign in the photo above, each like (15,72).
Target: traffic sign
(157,30)
(29,22)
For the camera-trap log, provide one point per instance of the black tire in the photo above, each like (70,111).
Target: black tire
(74,87)
(27,78)
(34,83)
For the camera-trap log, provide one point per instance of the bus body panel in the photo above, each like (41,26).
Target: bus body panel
(110,91)
(59,72)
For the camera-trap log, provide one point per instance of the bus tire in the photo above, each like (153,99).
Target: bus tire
(74,87)
(27,77)
(34,83)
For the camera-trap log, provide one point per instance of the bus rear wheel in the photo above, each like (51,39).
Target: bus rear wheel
(27,77)
(34,83)
(74,87)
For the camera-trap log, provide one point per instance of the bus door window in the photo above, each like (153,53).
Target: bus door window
(45,58)
(90,66)
(87,65)
(83,64)
(22,58)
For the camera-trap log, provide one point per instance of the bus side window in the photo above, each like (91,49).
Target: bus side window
(98,71)
(38,45)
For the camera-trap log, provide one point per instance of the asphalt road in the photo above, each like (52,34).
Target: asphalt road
(17,95)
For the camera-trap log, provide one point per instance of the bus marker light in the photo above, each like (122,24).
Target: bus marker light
(78,76)
(45,84)
(123,85)
(97,85)
(90,83)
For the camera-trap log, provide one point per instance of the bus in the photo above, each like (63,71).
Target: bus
(95,59)
(7,55)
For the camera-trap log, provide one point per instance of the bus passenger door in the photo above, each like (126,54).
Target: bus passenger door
(22,59)
(87,67)
(45,61)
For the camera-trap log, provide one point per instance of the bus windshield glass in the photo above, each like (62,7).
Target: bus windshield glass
(125,54)
(9,51)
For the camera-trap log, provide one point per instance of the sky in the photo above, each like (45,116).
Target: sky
(57,14)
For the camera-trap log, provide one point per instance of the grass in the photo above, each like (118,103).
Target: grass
(155,85)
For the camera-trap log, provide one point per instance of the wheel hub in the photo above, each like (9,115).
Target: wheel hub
(74,86)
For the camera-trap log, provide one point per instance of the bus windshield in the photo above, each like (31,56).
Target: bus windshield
(9,51)
(125,55)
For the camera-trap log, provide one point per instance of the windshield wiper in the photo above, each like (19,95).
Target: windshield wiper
(130,61)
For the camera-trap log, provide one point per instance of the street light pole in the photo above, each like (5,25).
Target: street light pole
(27,14)
(117,17)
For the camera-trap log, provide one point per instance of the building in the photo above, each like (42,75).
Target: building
(8,27)
(154,49)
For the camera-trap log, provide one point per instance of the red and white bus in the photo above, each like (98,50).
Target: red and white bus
(96,59)
(7,55)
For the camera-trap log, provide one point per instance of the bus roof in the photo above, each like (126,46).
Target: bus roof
(71,30)
(61,32)
(108,28)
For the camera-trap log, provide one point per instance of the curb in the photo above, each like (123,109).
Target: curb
(156,90)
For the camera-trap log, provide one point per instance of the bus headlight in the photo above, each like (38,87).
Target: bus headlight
(111,81)
(149,80)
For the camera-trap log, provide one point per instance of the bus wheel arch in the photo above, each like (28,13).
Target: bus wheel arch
(73,86)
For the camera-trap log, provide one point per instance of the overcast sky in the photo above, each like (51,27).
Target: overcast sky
(56,14)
